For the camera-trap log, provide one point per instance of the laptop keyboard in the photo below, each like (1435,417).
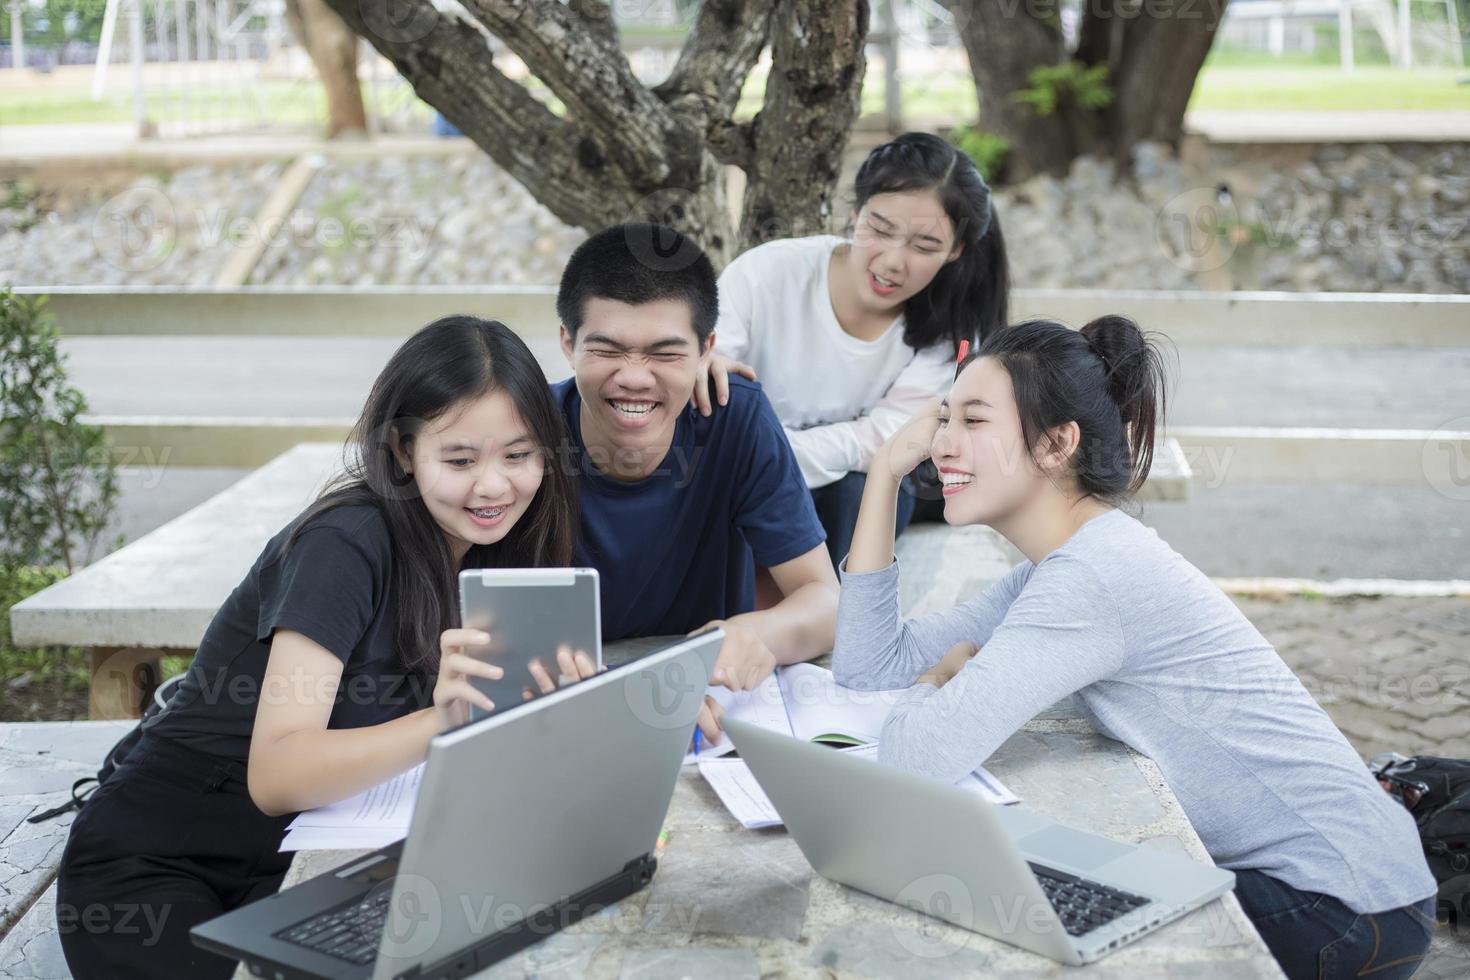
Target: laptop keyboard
(1083,905)
(349,932)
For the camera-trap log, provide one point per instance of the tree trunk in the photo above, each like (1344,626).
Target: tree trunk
(620,151)
(812,95)
(332,47)
(1156,64)
(1154,50)
(1005,40)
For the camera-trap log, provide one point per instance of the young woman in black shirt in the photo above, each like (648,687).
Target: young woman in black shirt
(333,663)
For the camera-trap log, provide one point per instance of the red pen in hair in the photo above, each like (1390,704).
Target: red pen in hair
(964,352)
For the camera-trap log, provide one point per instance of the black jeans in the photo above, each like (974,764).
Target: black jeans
(170,840)
(1316,937)
(837,508)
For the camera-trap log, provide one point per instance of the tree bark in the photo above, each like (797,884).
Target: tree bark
(812,95)
(621,151)
(332,47)
(1160,54)
(1005,40)
(1154,50)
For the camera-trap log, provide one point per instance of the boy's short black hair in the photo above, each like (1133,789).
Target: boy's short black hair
(636,264)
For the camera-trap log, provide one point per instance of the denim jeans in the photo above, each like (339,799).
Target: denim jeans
(837,508)
(1316,937)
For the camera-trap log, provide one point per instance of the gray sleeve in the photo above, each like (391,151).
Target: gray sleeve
(877,650)
(1061,634)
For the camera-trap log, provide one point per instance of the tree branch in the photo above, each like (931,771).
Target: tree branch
(597,17)
(722,48)
(449,64)
(595,81)
(732,142)
(817,67)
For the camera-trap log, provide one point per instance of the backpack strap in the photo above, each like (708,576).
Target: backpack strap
(78,797)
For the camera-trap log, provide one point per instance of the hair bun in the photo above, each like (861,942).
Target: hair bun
(1118,342)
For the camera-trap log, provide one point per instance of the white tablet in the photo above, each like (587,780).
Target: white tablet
(529,613)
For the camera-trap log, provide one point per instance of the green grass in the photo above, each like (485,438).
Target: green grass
(1328,89)
(1231,81)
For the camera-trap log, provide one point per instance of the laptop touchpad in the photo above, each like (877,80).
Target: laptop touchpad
(1072,847)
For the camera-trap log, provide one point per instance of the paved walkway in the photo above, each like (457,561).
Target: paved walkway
(1394,674)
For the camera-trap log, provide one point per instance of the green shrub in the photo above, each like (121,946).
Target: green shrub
(58,482)
(1070,82)
(986,150)
(58,488)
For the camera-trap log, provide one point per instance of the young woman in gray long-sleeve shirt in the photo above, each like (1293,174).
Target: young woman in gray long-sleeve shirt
(1043,432)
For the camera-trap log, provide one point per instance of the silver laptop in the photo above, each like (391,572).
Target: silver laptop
(1004,872)
(525,822)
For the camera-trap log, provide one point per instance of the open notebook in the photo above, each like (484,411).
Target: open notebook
(805,701)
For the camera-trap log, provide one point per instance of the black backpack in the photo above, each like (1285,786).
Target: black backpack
(1437,793)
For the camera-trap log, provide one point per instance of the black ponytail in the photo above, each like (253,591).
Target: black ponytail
(1108,377)
(968,298)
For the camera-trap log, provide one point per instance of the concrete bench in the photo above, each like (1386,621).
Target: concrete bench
(38,764)
(157,595)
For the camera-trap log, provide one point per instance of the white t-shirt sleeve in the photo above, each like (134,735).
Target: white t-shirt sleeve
(737,292)
(826,453)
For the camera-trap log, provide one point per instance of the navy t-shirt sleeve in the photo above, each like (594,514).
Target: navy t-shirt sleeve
(326,587)
(773,507)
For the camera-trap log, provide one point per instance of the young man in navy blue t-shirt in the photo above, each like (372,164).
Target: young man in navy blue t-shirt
(678,509)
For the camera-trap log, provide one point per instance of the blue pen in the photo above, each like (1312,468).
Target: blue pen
(696,741)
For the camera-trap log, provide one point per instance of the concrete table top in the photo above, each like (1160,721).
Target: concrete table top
(730,902)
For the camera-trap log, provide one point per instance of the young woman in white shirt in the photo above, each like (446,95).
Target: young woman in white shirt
(851,337)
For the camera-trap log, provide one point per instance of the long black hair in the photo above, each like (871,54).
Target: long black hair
(1108,377)
(968,298)
(453,359)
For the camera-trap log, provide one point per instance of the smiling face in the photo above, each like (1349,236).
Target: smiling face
(900,242)
(636,367)
(987,470)
(477,469)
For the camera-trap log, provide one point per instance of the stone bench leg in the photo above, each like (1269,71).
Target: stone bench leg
(122,681)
